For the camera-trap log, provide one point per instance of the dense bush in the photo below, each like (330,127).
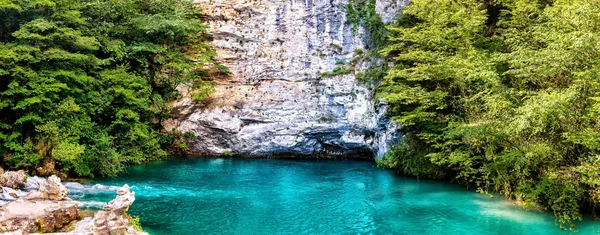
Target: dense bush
(501,95)
(86,84)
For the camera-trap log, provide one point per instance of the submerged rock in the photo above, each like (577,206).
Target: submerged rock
(13,179)
(9,194)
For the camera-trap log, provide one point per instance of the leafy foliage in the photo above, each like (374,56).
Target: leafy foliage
(338,71)
(502,96)
(363,13)
(86,84)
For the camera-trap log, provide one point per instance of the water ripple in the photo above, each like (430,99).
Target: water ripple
(223,196)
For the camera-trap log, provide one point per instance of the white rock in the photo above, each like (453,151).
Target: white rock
(277,101)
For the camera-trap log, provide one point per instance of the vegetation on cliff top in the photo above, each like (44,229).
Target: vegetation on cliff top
(86,84)
(501,96)
(362,13)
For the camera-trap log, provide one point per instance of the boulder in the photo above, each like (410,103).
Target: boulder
(37,216)
(113,218)
(13,179)
(121,204)
(51,189)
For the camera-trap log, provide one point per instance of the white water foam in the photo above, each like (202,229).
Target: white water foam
(91,205)
(30,185)
(76,191)
(89,189)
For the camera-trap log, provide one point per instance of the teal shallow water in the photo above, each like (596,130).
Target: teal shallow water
(261,196)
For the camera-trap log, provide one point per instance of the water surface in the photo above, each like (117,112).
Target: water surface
(261,196)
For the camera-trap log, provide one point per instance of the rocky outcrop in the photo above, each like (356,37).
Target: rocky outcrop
(112,219)
(283,96)
(43,207)
(37,216)
(50,189)
(13,179)
(31,211)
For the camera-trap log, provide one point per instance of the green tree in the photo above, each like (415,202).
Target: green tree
(500,96)
(86,84)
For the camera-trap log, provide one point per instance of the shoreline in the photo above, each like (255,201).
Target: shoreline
(45,208)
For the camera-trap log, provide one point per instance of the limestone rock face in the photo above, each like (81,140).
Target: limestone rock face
(13,179)
(50,189)
(277,101)
(390,9)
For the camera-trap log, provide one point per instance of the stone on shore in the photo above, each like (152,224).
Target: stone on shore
(112,219)
(13,179)
(49,210)
(37,216)
(50,189)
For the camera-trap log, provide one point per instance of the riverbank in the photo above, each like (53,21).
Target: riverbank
(40,205)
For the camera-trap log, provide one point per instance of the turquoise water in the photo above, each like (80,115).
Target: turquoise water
(260,196)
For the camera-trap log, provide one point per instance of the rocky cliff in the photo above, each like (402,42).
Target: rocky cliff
(293,88)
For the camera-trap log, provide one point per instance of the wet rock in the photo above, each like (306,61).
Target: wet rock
(37,216)
(50,189)
(13,179)
(9,194)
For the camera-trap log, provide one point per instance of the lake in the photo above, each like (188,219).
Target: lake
(273,196)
